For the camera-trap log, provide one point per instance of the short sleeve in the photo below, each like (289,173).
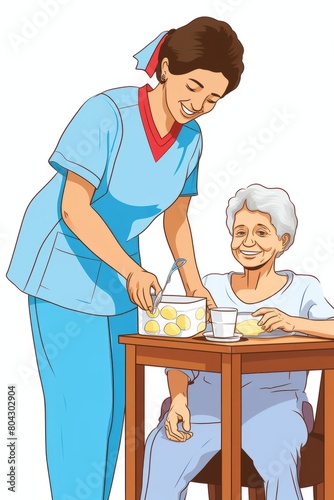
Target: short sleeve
(85,145)
(206,280)
(215,283)
(190,186)
(314,305)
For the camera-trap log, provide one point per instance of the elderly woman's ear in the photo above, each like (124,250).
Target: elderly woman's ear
(285,240)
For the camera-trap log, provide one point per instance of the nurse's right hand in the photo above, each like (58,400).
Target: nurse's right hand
(139,285)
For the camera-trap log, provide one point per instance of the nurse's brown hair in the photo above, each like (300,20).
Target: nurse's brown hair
(204,43)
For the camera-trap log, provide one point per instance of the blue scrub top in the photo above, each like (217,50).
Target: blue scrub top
(110,145)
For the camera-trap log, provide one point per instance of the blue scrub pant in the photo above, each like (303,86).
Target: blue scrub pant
(82,370)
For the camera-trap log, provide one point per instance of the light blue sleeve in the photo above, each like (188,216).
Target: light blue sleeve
(214,283)
(190,186)
(191,374)
(85,146)
(314,305)
(206,281)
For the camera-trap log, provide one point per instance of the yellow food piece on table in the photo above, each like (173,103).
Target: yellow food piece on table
(172,329)
(249,327)
(153,315)
(200,313)
(152,327)
(183,322)
(168,312)
(201,327)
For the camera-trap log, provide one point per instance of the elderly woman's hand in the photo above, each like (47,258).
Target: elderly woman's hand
(178,412)
(273,319)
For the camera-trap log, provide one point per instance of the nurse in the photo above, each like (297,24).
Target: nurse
(128,155)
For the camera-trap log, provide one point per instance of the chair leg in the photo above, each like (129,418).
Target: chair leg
(256,493)
(215,491)
(318,491)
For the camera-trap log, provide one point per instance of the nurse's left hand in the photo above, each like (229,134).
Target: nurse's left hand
(201,291)
(139,285)
(273,319)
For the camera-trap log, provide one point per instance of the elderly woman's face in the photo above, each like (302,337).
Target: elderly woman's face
(254,240)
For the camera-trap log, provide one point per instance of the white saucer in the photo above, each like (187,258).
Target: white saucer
(209,336)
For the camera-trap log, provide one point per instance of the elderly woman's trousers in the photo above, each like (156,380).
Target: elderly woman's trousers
(272,438)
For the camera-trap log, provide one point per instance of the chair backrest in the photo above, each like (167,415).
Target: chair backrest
(319,416)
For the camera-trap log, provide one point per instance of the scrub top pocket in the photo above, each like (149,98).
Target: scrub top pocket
(72,268)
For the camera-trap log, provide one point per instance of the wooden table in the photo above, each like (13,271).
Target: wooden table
(231,360)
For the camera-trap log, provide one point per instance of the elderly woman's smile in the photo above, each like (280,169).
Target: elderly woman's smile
(254,240)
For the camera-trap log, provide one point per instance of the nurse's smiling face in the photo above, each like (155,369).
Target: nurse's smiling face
(254,240)
(192,94)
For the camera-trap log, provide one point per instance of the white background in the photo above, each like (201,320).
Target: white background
(86,47)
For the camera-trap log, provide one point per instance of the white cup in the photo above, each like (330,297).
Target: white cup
(223,321)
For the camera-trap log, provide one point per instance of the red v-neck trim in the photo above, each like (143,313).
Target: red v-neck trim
(159,145)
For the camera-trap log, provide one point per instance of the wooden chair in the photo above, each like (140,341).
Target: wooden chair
(311,471)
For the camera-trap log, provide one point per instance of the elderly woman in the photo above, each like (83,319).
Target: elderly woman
(262,223)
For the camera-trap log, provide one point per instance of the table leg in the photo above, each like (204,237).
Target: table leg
(231,426)
(329,434)
(134,425)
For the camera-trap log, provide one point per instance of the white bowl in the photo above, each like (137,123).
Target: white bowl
(247,324)
(176,316)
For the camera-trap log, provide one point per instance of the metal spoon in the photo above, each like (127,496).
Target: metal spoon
(177,264)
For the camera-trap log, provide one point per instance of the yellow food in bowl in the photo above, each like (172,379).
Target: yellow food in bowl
(152,327)
(200,313)
(201,327)
(168,312)
(153,315)
(249,327)
(172,329)
(183,322)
